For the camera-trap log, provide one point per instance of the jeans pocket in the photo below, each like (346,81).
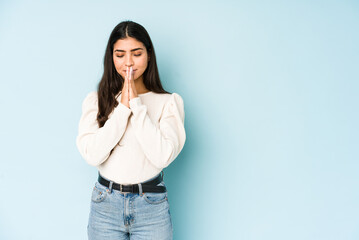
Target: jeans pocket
(155,198)
(99,193)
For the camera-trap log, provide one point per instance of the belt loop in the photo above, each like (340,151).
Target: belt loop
(140,189)
(110,187)
(162,174)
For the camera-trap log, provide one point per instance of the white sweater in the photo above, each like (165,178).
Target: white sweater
(145,138)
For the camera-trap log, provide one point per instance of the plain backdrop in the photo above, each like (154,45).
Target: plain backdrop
(271,101)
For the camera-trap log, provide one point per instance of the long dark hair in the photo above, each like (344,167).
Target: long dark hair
(111,82)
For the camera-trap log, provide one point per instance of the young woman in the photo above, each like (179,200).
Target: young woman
(130,130)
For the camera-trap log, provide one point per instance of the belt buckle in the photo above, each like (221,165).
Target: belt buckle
(126,192)
(121,189)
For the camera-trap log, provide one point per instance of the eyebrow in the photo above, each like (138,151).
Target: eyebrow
(119,50)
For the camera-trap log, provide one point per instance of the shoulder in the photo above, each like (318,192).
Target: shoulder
(174,103)
(90,99)
(174,106)
(91,95)
(175,98)
(167,99)
(168,96)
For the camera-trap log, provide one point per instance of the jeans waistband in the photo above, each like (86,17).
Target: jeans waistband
(150,185)
(140,182)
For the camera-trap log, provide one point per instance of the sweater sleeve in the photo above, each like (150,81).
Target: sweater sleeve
(162,144)
(94,143)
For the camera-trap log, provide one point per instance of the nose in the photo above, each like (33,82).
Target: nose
(129,61)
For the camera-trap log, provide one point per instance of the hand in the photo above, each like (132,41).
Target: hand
(131,86)
(125,96)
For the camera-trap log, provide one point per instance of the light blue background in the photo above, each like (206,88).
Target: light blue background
(271,100)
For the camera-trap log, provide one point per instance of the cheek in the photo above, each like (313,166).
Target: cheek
(143,64)
(118,65)
(116,62)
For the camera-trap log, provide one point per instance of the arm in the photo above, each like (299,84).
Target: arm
(94,143)
(160,145)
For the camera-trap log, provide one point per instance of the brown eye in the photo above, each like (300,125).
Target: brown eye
(119,56)
(137,55)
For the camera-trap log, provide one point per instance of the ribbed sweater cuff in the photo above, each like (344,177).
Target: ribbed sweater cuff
(135,103)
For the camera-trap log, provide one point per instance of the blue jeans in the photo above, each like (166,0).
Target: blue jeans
(117,215)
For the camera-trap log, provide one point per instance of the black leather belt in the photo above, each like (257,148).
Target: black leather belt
(149,186)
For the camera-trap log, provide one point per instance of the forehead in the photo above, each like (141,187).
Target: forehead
(127,44)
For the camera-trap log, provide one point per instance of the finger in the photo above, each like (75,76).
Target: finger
(132,88)
(124,87)
(131,73)
(126,79)
(127,76)
(128,86)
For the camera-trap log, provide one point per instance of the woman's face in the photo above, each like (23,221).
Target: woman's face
(130,52)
